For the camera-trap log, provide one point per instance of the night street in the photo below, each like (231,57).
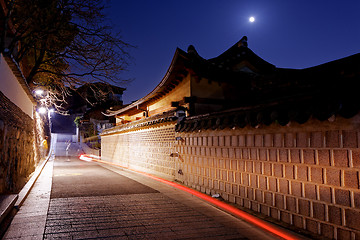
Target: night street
(90,201)
(179,119)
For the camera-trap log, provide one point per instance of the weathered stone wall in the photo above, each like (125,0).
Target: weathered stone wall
(305,175)
(17,146)
(144,148)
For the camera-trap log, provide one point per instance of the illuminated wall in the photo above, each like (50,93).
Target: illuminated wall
(304,175)
(18,149)
(20,131)
(143,148)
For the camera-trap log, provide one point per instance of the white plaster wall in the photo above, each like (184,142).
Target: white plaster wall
(12,89)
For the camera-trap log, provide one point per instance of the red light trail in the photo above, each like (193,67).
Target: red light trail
(222,205)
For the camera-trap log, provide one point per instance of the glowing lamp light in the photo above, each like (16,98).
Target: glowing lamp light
(42,110)
(39,92)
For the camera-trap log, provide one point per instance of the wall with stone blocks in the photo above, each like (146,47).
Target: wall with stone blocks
(17,146)
(304,175)
(146,149)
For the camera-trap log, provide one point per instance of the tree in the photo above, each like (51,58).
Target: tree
(62,44)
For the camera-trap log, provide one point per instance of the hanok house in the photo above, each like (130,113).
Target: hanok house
(90,100)
(283,143)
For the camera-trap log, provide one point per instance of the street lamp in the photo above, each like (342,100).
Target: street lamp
(39,92)
(42,110)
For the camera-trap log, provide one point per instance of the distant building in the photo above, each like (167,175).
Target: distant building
(85,105)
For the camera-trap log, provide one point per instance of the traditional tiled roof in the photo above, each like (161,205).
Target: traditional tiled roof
(263,93)
(174,75)
(222,68)
(166,117)
(321,92)
(237,59)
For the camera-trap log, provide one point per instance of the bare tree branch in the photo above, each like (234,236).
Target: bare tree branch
(64,43)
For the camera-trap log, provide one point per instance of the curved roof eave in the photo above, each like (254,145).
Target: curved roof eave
(242,52)
(156,90)
(351,61)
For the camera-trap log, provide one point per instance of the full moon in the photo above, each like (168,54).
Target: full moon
(251,19)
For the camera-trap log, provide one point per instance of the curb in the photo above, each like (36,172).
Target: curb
(29,185)
(7,202)
(11,203)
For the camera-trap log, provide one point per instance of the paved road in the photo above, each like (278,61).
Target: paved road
(89,201)
(77,178)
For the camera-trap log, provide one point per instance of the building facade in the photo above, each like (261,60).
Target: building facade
(283,143)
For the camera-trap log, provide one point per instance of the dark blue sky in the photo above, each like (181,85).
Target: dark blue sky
(286,33)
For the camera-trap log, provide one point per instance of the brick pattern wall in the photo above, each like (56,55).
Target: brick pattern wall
(306,176)
(147,149)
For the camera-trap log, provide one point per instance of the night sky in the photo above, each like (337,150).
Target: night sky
(286,33)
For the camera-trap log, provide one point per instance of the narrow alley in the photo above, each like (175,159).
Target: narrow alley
(73,199)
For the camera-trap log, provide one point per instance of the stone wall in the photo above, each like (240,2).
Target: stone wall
(17,146)
(305,175)
(142,146)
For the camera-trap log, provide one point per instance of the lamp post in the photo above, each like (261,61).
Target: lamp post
(43,110)
(42,96)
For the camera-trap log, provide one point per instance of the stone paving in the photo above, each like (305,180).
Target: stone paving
(164,213)
(138,216)
(30,220)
